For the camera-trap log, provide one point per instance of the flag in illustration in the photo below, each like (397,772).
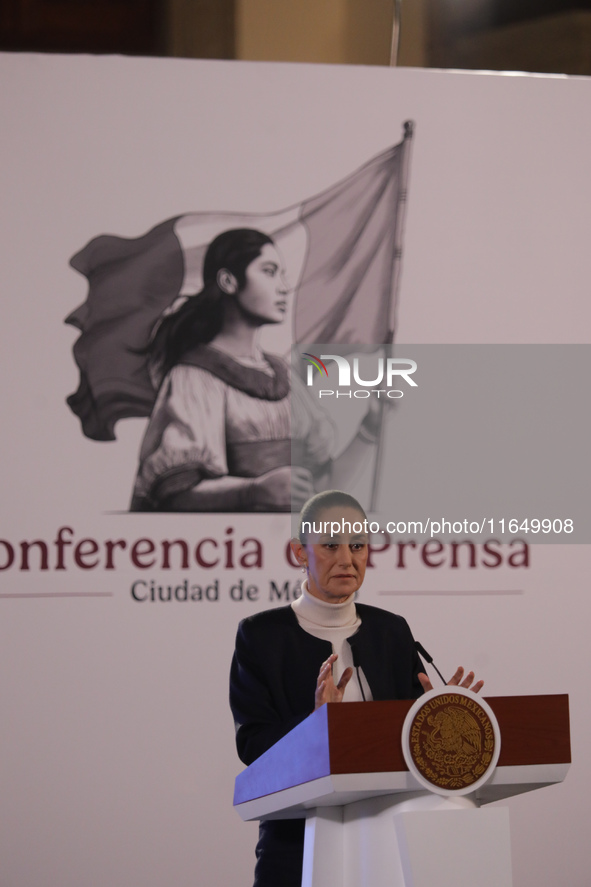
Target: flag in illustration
(342,251)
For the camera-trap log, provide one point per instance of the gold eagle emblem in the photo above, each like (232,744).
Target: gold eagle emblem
(452,741)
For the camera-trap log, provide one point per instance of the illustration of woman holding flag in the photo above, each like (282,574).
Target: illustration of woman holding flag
(170,332)
(219,437)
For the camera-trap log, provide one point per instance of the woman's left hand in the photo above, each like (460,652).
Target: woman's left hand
(326,689)
(454,682)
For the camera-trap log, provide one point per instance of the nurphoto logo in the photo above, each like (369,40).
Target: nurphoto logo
(387,371)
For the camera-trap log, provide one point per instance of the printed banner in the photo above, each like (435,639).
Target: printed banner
(148,473)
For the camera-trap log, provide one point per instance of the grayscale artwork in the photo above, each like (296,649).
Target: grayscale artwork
(170,331)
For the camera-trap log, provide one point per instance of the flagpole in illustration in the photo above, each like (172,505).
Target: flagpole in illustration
(396,276)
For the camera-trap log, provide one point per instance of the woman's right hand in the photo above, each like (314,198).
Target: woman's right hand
(468,681)
(282,489)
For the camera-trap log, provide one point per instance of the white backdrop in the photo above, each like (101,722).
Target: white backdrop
(117,758)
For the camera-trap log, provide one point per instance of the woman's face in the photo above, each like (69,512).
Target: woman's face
(335,561)
(264,295)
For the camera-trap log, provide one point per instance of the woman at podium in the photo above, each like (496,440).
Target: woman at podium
(324,647)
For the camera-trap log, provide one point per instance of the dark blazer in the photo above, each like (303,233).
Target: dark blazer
(276,664)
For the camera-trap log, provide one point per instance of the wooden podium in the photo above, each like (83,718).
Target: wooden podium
(371,823)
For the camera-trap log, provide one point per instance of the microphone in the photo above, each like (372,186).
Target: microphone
(427,658)
(356,664)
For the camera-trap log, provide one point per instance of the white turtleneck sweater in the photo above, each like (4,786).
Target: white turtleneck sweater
(334,623)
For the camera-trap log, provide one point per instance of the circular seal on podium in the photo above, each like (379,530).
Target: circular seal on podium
(451,741)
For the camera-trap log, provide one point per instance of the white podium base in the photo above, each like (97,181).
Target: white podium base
(393,841)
